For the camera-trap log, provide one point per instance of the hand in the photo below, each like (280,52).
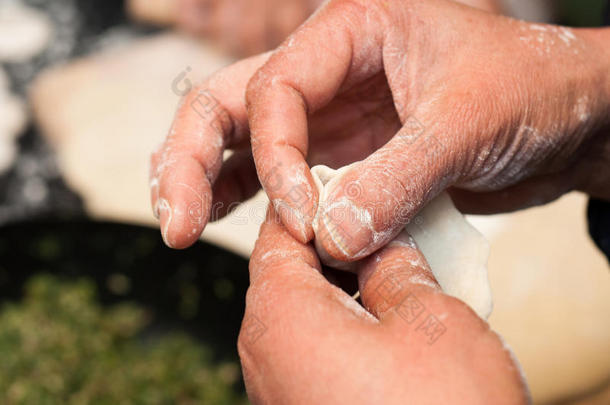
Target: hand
(305,341)
(502,110)
(431,94)
(245,27)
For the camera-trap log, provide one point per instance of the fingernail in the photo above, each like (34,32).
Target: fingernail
(292,218)
(156,210)
(347,231)
(165,217)
(154,186)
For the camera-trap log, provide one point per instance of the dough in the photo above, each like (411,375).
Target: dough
(24,32)
(456,252)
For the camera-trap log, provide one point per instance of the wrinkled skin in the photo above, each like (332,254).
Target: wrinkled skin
(305,341)
(429,94)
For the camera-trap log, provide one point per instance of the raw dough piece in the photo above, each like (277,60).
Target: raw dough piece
(457,252)
(24,32)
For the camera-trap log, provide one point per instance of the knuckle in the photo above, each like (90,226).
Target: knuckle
(462,121)
(265,275)
(205,102)
(259,81)
(280,279)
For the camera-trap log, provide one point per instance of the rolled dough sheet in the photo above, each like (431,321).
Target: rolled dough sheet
(456,252)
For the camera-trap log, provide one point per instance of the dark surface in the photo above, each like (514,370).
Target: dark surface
(581,13)
(598,214)
(200,290)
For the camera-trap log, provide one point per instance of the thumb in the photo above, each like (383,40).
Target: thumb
(374,199)
(388,276)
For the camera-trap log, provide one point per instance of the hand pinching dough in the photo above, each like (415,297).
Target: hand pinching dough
(456,252)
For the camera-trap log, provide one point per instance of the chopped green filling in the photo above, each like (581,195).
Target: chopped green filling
(60,346)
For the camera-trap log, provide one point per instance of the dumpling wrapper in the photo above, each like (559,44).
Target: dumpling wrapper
(456,252)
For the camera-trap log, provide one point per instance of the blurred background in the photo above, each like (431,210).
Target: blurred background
(93,307)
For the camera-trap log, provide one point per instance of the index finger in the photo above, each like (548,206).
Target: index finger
(302,76)
(211,117)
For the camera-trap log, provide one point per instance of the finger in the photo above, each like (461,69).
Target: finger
(189,163)
(209,119)
(301,77)
(372,201)
(292,311)
(387,277)
(236,183)
(275,248)
(286,278)
(398,287)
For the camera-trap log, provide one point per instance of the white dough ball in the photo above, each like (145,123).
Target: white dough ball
(24,32)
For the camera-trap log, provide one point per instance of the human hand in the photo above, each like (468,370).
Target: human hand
(432,95)
(245,27)
(508,114)
(305,341)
